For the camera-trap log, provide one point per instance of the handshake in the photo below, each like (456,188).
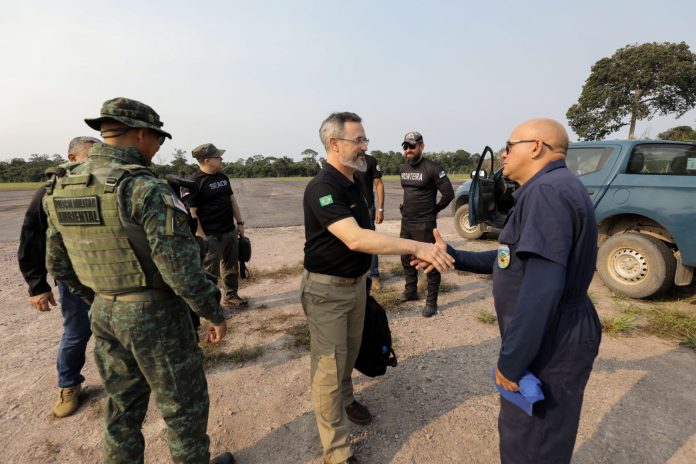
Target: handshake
(433,256)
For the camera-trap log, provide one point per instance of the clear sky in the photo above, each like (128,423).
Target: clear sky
(258,77)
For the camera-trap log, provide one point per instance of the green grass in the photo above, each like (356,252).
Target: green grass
(690,342)
(486,317)
(391,269)
(620,324)
(20,185)
(672,323)
(213,355)
(281,272)
(272,325)
(389,298)
(299,336)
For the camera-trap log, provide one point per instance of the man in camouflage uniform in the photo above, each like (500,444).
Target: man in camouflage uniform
(120,239)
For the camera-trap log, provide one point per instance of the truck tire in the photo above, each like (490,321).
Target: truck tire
(636,265)
(461,223)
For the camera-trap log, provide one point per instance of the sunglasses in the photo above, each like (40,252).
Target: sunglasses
(161,139)
(511,143)
(407,145)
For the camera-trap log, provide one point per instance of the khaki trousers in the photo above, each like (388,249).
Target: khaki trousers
(335,313)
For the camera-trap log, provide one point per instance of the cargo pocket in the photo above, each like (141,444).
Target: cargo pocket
(328,393)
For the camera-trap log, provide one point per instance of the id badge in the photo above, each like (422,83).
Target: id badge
(503,256)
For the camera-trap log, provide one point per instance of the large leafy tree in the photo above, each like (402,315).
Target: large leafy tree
(679,134)
(637,82)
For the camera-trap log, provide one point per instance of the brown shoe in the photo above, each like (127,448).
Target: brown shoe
(358,414)
(68,401)
(235,301)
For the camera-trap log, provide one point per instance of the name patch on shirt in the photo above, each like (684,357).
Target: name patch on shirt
(412,176)
(218,184)
(326,200)
(503,256)
(78,211)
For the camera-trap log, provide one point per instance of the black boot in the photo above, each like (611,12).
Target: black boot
(224,458)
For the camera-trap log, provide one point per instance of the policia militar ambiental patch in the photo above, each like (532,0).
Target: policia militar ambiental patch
(78,211)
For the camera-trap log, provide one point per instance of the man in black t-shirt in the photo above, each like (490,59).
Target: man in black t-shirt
(337,252)
(421,179)
(216,208)
(372,177)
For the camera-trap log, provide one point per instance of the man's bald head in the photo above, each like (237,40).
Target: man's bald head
(549,131)
(532,145)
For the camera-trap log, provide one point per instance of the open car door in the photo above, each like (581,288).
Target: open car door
(490,195)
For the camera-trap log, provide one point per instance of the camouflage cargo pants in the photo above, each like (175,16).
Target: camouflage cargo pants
(150,346)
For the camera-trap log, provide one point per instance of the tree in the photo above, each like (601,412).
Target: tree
(638,82)
(309,153)
(179,164)
(679,134)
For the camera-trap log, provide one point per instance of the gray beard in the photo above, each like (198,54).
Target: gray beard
(357,164)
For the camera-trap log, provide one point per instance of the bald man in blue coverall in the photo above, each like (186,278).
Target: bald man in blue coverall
(541,273)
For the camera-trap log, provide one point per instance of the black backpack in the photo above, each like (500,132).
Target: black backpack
(244,256)
(376,351)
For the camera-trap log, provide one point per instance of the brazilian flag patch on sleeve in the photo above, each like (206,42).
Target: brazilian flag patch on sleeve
(326,200)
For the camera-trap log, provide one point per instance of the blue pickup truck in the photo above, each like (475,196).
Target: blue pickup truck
(644,194)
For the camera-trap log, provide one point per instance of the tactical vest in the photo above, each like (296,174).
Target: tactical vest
(109,253)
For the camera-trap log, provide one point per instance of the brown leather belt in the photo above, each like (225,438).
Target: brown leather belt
(151,294)
(331,280)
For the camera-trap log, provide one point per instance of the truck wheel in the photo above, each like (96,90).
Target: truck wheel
(461,223)
(636,265)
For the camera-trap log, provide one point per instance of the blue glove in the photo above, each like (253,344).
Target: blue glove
(530,392)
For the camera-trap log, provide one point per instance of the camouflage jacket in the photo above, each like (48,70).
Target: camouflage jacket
(173,248)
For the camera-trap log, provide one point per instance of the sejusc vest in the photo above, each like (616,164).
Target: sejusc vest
(109,252)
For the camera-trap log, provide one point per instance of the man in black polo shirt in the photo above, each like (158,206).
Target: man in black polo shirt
(216,208)
(421,179)
(371,180)
(337,252)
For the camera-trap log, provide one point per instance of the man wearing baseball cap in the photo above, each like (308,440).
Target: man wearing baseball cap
(119,238)
(219,221)
(421,179)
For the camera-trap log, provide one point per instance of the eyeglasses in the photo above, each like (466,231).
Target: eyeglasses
(407,145)
(510,143)
(161,139)
(365,142)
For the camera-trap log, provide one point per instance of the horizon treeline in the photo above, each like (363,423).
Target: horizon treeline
(257,166)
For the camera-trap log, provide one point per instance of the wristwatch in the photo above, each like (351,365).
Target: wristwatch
(381,210)
(240,223)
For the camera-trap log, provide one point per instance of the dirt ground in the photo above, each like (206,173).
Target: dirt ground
(437,406)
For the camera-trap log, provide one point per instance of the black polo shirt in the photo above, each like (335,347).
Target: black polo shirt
(329,197)
(367,179)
